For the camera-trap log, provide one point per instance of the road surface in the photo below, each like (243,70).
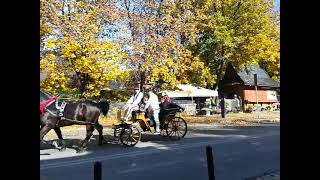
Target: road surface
(239,153)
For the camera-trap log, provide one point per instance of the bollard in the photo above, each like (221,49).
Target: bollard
(223,107)
(210,163)
(97,171)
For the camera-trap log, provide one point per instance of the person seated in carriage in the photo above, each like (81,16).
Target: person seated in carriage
(142,105)
(167,106)
(133,104)
(165,99)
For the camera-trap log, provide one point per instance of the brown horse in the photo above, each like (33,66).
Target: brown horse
(83,113)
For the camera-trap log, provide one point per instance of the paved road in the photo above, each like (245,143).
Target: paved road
(239,153)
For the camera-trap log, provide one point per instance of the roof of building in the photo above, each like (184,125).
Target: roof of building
(263,79)
(246,76)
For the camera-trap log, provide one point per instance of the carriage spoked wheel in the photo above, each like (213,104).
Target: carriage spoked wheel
(117,132)
(163,131)
(176,128)
(130,136)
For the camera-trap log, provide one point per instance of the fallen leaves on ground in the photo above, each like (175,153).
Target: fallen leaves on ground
(239,119)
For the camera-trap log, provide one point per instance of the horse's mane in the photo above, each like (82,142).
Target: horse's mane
(44,96)
(45,93)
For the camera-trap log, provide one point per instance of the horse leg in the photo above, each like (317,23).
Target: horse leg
(61,140)
(45,129)
(99,128)
(84,143)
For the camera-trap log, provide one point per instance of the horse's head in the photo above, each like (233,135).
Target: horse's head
(104,107)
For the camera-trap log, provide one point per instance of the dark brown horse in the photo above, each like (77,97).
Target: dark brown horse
(84,113)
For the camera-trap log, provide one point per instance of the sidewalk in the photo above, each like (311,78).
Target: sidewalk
(237,118)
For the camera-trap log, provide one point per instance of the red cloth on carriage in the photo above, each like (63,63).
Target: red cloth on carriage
(47,103)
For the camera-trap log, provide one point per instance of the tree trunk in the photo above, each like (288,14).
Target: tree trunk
(220,68)
(142,80)
(83,83)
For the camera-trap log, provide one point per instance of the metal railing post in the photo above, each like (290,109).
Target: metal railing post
(97,171)
(210,163)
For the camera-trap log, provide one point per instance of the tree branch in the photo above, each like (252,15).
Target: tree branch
(237,9)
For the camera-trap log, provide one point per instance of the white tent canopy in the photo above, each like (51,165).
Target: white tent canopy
(191,91)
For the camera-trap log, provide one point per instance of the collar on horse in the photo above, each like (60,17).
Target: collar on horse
(49,102)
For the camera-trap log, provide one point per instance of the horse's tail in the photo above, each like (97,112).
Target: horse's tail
(104,107)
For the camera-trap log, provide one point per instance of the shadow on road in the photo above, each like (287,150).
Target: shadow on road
(229,157)
(75,143)
(153,141)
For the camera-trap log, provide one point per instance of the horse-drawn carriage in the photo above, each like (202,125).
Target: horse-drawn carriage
(87,113)
(171,125)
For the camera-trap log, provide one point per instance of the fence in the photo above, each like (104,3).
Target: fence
(114,108)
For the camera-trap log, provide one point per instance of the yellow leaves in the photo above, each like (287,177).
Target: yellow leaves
(44,30)
(81,50)
(155,41)
(50,44)
(56,80)
(248,32)
(186,68)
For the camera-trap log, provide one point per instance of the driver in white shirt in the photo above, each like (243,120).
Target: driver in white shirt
(133,103)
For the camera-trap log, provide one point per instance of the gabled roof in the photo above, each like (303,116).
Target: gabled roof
(246,76)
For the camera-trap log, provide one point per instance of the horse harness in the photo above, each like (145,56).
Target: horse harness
(60,108)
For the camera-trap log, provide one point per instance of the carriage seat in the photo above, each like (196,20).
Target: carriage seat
(167,109)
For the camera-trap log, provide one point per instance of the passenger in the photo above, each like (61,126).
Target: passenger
(153,107)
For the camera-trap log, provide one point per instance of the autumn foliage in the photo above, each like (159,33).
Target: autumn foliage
(88,44)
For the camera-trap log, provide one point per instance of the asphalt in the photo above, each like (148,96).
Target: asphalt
(239,153)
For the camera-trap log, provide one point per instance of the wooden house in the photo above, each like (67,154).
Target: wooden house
(241,82)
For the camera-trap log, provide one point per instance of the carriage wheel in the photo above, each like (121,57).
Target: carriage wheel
(117,132)
(163,132)
(176,128)
(130,136)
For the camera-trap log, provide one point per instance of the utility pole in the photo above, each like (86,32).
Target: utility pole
(256,87)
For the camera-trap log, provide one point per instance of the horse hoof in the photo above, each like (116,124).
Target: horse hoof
(81,150)
(55,144)
(62,149)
